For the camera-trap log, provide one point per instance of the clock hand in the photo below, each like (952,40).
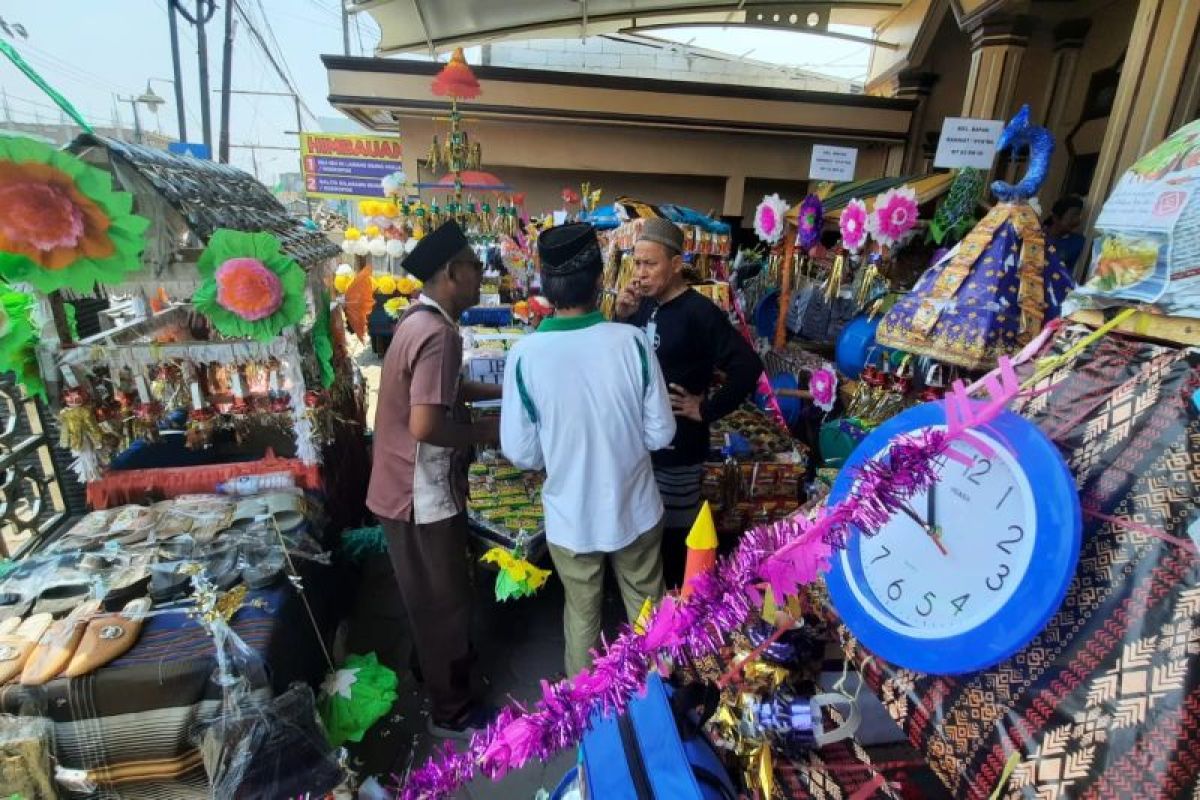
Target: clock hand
(931,508)
(933,533)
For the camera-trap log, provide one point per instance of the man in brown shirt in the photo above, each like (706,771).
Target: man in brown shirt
(418,478)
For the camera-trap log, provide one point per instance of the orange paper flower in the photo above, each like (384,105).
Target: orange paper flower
(360,300)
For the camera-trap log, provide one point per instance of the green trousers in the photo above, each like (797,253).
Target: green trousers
(638,570)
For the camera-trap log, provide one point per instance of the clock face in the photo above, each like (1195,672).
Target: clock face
(984,524)
(1008,528)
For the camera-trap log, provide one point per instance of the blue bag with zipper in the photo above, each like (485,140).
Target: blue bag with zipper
(655,751)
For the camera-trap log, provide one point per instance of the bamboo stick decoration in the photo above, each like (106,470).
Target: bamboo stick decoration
(785,288)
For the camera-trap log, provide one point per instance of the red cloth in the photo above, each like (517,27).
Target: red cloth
(132,486)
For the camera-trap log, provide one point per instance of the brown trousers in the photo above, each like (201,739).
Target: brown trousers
(430,562)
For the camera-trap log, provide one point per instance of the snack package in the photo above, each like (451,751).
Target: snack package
(1147,248)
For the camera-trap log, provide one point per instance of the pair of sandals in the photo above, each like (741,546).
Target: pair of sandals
(223,564)
(38,649)
(287,509)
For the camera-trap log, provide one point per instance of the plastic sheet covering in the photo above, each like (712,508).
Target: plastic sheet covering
(26,750)
(1105,702)
(262,749)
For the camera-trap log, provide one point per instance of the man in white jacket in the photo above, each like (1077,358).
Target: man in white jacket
(586,400)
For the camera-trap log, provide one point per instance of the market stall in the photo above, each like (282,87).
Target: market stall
(217,427)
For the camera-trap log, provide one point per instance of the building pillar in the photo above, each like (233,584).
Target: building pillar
(1068,41)
(735,195)
(997,46)
(915,85)
(1156,81)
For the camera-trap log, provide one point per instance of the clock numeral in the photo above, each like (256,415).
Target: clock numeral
(1002,499)
(998,578)
(886,553)
(974,472)
(959,602)
(927,602)
(1020,535)
(894,590)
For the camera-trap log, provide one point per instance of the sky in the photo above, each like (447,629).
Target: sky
(93,52)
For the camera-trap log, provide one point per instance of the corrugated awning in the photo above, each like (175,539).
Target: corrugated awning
(434,25)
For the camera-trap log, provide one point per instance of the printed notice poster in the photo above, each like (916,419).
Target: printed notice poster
(968,142)
(829,163)
(341,166)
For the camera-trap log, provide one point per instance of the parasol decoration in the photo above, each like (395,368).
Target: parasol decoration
(359,301)
(456,79)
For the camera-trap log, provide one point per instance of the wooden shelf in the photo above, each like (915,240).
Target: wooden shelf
(1177,330)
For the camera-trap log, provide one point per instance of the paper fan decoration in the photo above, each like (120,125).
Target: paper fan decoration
(355,697)
(251,289)
(323,341)
(770,218)
(359,302)
(809,222)
(18,341)
(853,225)
(62,225)
(456,79)
(894,216)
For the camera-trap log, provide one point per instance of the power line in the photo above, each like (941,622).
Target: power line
(270,57)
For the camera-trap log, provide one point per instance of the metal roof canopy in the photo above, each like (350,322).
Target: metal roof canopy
(432,25)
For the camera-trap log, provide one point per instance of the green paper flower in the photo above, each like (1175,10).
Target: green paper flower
(251,289)
(18,341)
(322,341)
(62,225)
(355,697)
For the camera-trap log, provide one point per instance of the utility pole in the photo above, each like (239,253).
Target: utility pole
(204,12)
(226,77)
(178,72)
(345,28)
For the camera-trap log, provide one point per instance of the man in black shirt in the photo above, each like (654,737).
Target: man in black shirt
(693,339)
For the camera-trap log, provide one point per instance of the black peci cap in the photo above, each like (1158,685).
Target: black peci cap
(571,248)
(435,250)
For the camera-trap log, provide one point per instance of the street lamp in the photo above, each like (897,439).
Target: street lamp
(147,98)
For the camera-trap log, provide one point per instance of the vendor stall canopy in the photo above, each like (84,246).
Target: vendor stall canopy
(432,25)
(189,199)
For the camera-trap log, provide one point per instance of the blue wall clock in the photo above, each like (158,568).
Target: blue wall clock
(970,571)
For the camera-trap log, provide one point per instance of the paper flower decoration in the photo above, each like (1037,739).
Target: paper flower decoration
(393,306)
(823,386)
(18,341)
(395,248)
(517,577)
(251,289)
(894,216)
(355,697)
(456,79)
(323,340)
(62,226)
(385,284)
(770,218)
(570,196)
(352,233)
(853,225)
(809,222)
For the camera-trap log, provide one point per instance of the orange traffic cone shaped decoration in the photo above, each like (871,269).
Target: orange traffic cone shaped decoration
(701,548)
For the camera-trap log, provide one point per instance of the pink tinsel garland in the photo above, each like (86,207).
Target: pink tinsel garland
(784,556)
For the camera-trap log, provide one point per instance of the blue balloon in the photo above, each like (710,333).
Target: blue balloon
(856,344)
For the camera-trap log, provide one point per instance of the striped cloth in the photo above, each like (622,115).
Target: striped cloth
(680,490)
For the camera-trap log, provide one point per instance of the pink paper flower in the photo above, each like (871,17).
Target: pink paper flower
(823,385)
(40,215)
(853,225)
(894,216)
(770,218)
(248,288)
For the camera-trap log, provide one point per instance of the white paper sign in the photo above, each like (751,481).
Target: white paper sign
(829,163)
(968,142)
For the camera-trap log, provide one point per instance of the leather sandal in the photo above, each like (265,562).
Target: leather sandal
(54,652)
(15,647)
(108,637)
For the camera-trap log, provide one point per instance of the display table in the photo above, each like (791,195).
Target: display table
(130,724)
(1105,702)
